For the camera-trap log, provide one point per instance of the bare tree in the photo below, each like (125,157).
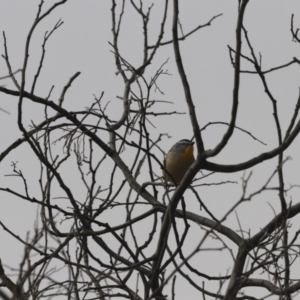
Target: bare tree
(131,237)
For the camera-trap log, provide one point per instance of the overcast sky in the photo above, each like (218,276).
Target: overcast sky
(82,44)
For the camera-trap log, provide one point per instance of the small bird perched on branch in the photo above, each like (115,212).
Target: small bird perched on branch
(178,160)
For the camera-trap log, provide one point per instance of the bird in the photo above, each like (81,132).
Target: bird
(178,160)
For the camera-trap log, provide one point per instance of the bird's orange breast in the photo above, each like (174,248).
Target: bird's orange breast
(188,153)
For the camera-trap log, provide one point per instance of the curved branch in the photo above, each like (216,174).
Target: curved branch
(228,133)
(226,231)
(270,286)
(185,83)
(256,160)
(273,224)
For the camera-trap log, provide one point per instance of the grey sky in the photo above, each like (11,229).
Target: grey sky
(81,44)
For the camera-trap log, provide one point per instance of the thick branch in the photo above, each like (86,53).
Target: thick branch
(256,160)
(235,101)
(185,83)
(270,286)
